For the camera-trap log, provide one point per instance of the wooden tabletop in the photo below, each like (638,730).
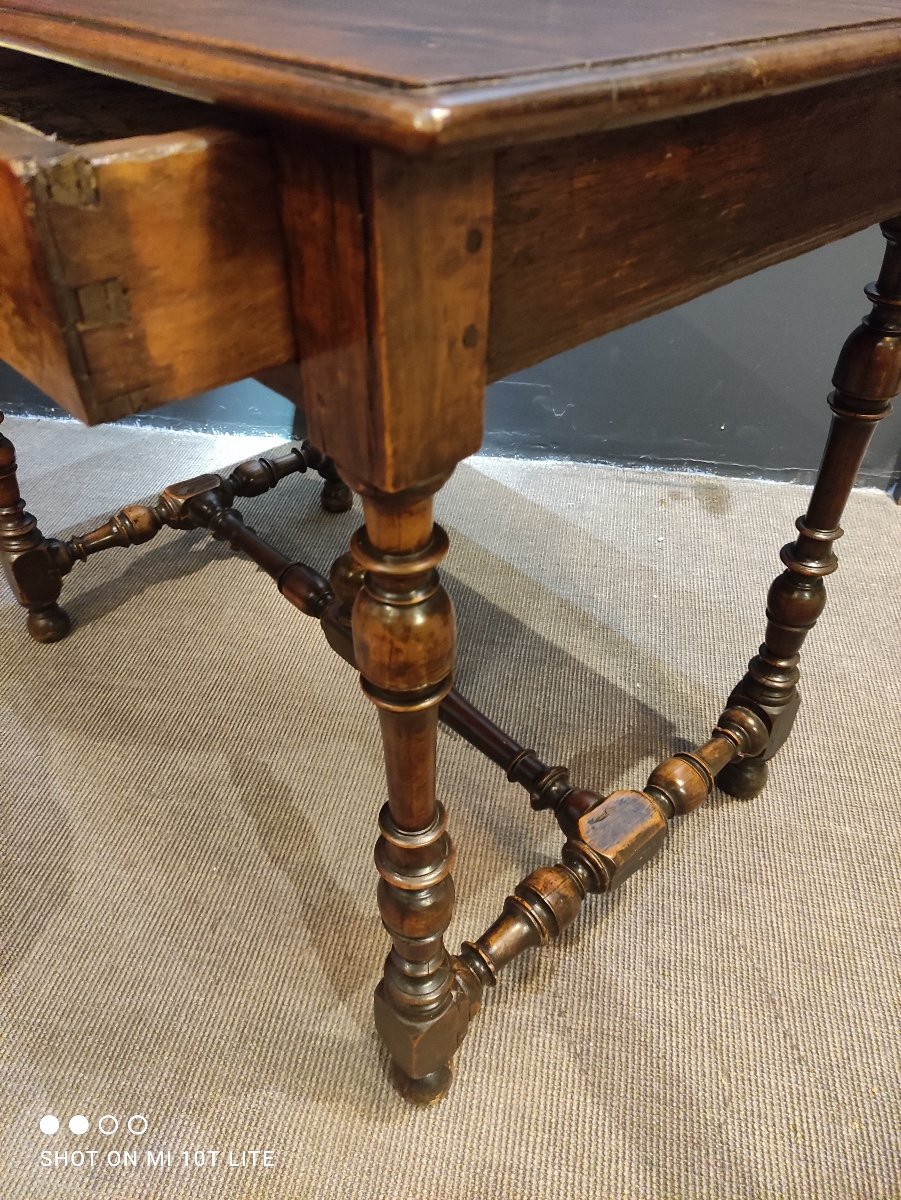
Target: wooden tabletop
(420,73)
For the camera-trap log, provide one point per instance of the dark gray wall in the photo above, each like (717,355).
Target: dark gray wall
(733,382)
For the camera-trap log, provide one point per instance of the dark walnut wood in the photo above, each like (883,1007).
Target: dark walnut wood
(867,379)
(608,841)
(403,636)
(33,574)
(462,72)
(602,169)
(595,232)
(403,617)
(563,212)
(391,263)
(391,260)
(36,566)
(112,314)
(388,269)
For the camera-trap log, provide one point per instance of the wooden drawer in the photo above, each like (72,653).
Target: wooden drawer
(141,252)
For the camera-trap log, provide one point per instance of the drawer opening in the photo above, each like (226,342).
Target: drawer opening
(142,257)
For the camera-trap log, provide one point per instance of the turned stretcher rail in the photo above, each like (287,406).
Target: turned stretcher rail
(607,839)
(205,502)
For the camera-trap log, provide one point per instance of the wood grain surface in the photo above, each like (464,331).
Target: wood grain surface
(391,261)
(31,335)
(416,73)
(134,270)
(595,232)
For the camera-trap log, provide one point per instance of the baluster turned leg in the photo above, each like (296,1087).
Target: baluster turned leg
(867,378)
(390,261)
(30,567)
(403,629)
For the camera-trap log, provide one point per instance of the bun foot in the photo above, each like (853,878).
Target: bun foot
(336,496)
(427,1090)
(48,624)
(744,779)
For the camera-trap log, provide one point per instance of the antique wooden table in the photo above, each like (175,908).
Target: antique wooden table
(463,189)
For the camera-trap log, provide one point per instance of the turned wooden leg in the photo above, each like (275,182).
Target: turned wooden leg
(403,633)
(336,496)
(390,263)
(867,378)
(30,567)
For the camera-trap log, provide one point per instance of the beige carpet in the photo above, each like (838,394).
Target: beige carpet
(190,785)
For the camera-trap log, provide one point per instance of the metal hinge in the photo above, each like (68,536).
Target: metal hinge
(71,180)
(103,303)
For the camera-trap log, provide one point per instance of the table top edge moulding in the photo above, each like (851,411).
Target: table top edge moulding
(401,98)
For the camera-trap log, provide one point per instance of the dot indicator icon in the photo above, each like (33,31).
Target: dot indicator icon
(49,1124)
(79,1124)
